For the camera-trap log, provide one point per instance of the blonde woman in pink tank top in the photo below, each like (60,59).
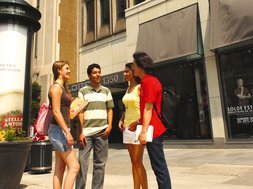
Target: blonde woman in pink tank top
(127,124)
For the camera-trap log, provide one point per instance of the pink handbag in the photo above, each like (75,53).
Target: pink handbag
(44,119)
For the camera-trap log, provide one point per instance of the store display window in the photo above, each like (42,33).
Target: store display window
(236,72)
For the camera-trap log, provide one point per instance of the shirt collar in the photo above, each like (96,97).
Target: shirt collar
(146,77)
(93,89)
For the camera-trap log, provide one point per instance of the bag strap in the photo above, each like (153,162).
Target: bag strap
(159,115)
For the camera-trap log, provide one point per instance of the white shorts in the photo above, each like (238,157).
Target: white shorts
(129,137)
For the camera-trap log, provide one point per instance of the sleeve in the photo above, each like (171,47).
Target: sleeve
(246,91)
(150,91)
(109,100)
(80,95)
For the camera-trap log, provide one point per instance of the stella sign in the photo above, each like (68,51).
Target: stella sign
(13,121)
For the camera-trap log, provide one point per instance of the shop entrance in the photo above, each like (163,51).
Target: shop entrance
(187,79)
(116,134)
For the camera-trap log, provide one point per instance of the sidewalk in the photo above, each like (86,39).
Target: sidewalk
(189,169)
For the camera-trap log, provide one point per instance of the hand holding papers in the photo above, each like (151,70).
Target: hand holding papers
(149,132)
(76,106)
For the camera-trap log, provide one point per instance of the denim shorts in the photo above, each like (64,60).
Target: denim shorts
(58,138)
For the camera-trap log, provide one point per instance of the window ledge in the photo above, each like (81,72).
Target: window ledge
(103,41)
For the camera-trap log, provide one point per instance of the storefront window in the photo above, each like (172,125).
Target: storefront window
(188,82)
(237,82)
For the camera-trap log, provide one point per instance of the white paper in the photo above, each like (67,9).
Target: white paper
(149,132)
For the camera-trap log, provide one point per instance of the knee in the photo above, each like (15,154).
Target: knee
(137,162)
(74,167)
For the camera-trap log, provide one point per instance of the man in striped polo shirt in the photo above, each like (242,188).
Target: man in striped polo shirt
(96,125)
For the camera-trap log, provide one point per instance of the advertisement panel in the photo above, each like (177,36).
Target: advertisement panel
(12,73)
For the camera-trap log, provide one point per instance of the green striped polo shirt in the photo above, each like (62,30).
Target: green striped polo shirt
(95,113)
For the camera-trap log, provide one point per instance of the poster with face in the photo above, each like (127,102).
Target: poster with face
(12,73)
(240,110)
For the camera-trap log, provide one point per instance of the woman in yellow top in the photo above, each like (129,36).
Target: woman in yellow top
(128,122)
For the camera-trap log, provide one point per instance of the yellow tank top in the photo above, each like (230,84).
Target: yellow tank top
(132,106)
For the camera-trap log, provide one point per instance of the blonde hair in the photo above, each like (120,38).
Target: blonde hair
(57,65)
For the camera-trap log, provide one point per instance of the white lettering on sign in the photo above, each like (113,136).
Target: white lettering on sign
(12,10)
(240,109)
(13,121)
(106,80)
(110,79)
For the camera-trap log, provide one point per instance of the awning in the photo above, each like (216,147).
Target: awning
(231,22)
(171,36)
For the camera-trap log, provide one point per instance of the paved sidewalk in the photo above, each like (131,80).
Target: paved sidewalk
(189,169)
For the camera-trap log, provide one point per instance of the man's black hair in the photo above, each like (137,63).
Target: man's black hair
(91,66)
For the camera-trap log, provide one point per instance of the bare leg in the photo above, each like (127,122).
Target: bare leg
(70,159)
(139,172)
(134,170)
(59,171)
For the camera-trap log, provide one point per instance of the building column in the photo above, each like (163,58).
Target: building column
(217,122)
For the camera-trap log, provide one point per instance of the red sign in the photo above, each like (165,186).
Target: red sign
(13,121)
